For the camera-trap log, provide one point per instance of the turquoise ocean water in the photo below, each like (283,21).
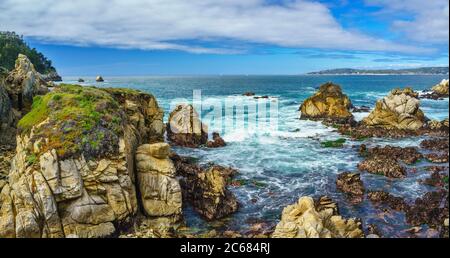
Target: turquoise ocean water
(288,162)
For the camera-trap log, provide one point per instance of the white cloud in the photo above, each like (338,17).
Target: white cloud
(431,18)
(166,24)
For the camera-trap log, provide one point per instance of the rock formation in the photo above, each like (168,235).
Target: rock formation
(185,128)
(216,142)
(73,174)
(99,79)
(160,190)
(399,110)
(351,184)
(305,219)
(441,88)
(17,90)
(328,104)
(206,188)
(23,83)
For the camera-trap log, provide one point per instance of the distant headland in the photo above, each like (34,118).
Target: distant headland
(410,71)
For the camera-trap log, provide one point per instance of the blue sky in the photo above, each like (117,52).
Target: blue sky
(177,37)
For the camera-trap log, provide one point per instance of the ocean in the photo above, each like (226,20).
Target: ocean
(282,163)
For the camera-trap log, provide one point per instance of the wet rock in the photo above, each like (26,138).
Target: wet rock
(361,109)
(382,165)
(249,94)
(435,125)
(216,142)
(438,144)
(351,184)
(408,155)
(80,80)
(437,157)
(206,188)
(384,198)
(436,179)
(431,209)
(185,127)
(99,79)
(328,104)
(399,110)
(305,220)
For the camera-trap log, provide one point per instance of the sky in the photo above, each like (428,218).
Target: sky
(201,37)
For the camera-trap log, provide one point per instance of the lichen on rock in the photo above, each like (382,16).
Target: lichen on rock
(73,174)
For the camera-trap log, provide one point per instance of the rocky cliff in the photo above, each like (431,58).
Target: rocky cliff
(73,174)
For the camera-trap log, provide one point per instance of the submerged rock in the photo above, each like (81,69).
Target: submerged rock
(431,209)
(185,127)
(382,165)
(408,155)
(384,198)
(305,219)
(328,104)
(206,188)
(74,171)
(399,110)
(350,183)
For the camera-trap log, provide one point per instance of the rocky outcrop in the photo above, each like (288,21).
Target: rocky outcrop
(386,160)
(52,77)
(351,184)
(159,189)
(216,142)
(384,198)
(399,110)
(307,219)
(99,79)
(185,128)
(23,83)
(73,174)
(206,188)
(328,104)
(441,88)
(17,90)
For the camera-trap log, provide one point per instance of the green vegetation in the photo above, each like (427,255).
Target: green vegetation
(11,45)
(334,144)
(31,159)
(77,120)
(242,182)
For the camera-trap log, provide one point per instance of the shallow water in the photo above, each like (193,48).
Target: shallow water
(288,162)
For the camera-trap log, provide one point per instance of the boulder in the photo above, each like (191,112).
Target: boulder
(99,79)
(328,104)
(351,184)
(216,142)
(160,190)
(185,128)
(206,188)
(441,88)
(307,219)
(399,110)
(73,174)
